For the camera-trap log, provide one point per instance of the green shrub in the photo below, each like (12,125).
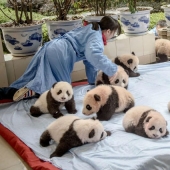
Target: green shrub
(154,18)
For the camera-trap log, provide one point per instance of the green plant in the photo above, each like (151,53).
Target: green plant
(23,11)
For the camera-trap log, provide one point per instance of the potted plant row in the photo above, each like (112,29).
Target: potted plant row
(23,35)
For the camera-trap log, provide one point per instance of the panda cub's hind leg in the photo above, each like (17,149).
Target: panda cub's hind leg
(130,105)
(35,111)
(45,139)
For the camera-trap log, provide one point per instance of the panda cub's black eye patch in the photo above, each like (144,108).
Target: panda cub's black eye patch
(124,81)
(152,128)
(117,81)
(88,107)
(134,68)
(59,92)
(160,130)
(68,93)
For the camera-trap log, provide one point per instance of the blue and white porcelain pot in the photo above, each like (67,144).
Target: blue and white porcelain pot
(23,41)
(135,23)
(167,13)
(59,28)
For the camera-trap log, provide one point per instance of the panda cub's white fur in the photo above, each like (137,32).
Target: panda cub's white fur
(129,62)
(70,131)
(105,100)
(121,79)
(145,121)
(51,101)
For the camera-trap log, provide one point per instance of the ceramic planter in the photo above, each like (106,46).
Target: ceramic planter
(23,41)
(59,28)
(167,13)
(136,23)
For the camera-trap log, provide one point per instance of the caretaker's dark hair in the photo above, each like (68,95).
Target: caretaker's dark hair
(162,23)
(107,22)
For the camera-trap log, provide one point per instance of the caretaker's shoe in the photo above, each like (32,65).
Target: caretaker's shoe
(23,93)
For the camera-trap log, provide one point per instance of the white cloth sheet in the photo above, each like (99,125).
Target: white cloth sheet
(121,150)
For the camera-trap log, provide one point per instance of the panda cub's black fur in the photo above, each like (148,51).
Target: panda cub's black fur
(51,101)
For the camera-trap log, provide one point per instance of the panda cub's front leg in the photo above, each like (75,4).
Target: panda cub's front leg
(70,106)
(54,110)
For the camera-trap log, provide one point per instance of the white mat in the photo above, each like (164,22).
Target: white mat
(121,150)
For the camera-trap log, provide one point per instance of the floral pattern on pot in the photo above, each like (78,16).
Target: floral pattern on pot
(23,41)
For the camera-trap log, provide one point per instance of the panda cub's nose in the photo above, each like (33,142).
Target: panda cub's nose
(63,98)
(155,135)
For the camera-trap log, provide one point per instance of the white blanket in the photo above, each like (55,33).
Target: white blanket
(119,151)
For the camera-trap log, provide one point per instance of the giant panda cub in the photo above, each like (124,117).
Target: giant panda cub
(145,121)
(60,94)
(105,100)
(121,79)
(70,131)
(162,49)
(129,62)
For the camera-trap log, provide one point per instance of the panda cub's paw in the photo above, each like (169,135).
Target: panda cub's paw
(57,115)
(73,111)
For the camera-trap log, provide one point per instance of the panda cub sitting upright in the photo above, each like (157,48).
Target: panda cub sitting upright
(145,121)
(61,94)
(70,131)
(129,62)
(121,79)
(105,100)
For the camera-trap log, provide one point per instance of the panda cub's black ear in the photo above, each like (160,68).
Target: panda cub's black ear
(54,85)
(133,53)
(97,97)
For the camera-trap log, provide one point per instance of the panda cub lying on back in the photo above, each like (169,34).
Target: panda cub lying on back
(145,121)
(129,62)
(105,100)
(70,131)
(121,79)
(61,94)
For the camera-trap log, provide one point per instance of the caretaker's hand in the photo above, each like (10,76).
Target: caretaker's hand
(111,78)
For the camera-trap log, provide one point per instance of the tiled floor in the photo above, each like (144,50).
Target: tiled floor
(9,159)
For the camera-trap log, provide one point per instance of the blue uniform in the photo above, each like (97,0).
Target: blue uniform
(55,60)
(154,31)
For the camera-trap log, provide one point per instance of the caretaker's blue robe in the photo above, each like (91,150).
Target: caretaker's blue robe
(55,60)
